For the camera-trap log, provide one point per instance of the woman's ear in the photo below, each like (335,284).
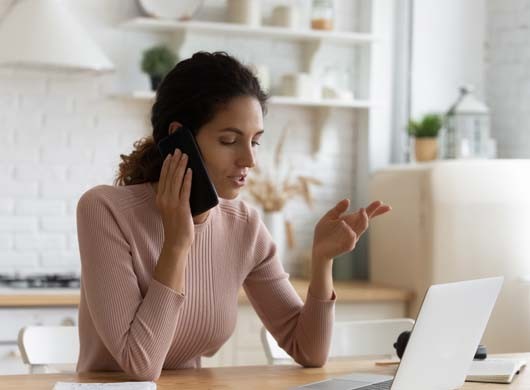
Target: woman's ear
(174,126)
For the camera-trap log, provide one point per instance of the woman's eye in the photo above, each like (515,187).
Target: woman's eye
(232,142)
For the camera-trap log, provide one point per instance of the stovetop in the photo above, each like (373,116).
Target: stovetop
(66,280)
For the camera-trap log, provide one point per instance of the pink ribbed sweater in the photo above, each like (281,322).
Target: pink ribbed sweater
(130,322)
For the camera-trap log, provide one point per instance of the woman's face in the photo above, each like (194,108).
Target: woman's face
(228,144)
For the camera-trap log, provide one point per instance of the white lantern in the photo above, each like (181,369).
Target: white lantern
(467,129)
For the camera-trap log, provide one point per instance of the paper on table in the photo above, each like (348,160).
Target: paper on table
(105,386)
(499,370)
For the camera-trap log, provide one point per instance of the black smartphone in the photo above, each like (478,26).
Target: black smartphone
(203,195)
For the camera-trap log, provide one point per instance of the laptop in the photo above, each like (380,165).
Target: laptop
(442,344)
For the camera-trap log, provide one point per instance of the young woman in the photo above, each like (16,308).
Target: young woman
(159,287)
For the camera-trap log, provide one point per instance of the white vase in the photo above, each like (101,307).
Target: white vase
(275,223)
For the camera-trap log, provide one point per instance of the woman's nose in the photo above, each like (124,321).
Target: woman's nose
(247,158)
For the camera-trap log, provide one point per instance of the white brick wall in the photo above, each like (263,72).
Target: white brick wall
(6,241)
(39,241)
(62,134)
(508,75)
(14,224)
(40,207)
(6,205)
(51,124)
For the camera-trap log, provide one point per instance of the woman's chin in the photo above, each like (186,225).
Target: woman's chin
(228,193)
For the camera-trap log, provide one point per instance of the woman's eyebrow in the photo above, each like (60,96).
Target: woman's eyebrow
(238,131)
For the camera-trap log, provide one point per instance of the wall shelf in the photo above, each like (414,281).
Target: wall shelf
(292,101)
(148,96)
(161,25)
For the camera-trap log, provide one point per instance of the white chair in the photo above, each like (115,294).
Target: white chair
(42,347)
(363,339)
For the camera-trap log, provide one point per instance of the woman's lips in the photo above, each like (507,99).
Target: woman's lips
(239,181)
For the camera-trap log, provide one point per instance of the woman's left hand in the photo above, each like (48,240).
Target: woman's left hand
(337,233)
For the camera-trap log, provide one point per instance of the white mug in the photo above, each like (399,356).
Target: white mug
(244,12)
(285,16)
(300,85)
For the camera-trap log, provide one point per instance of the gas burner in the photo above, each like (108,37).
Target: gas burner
(40,281)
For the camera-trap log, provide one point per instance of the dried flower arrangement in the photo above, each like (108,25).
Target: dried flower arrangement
(272,192)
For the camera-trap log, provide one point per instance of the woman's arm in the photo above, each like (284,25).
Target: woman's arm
(173,202)
(137,329)
(171,268)
(321,283)
(303,330)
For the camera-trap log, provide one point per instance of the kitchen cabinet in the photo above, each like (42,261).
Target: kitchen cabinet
(455,220)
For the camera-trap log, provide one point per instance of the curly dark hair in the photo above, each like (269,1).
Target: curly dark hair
(191,93)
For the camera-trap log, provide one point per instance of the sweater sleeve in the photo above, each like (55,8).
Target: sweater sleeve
(303,330)
(136,330)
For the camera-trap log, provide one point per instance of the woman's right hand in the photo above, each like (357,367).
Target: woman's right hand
(173,201)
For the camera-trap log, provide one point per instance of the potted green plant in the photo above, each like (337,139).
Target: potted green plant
(157,61)
(425,133)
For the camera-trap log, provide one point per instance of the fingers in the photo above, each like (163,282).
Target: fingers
(172,166)
(178,174)
(377,208)
(381,210)
(163,174)
(339,208)
(362,223)
(372,207)
(349,238)
(186,186)
(358,221)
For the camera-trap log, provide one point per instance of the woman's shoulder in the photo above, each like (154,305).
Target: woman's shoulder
(239,209)
(119,196)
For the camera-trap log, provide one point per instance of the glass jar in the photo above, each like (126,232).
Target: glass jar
(322,15)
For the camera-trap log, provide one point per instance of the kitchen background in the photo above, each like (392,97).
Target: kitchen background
(63,132)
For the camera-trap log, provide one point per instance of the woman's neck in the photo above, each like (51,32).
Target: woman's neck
(198,219)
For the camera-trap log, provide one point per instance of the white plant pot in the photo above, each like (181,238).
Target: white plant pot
(275,223)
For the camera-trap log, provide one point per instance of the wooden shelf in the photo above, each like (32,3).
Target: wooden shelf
(347,292)
(292,101)
(17,298)
(353,292)
(148,96)
(162,25)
